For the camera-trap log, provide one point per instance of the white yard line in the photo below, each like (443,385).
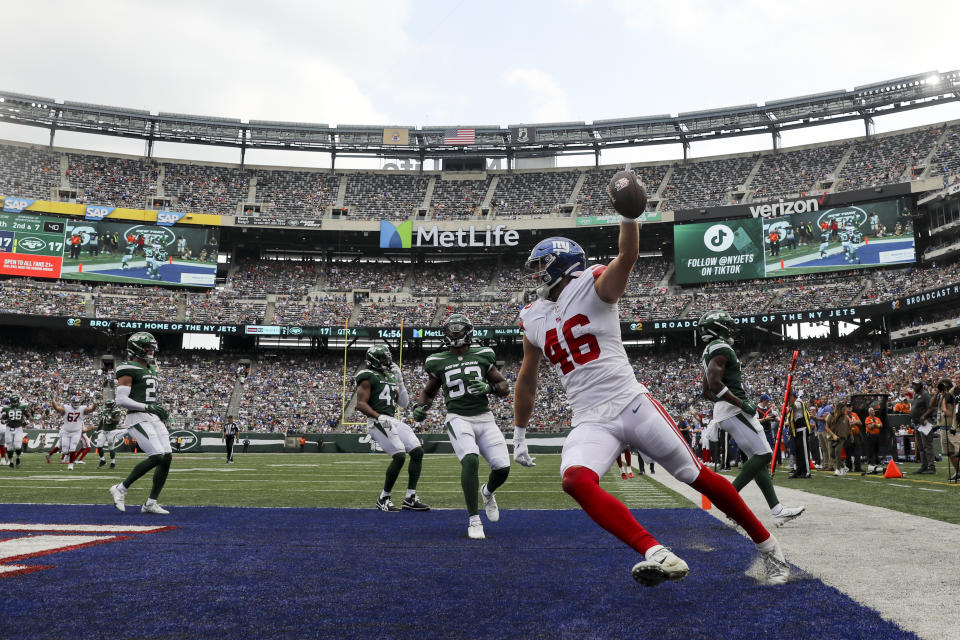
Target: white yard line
(890,561)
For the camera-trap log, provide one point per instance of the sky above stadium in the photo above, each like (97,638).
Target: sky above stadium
(467,63)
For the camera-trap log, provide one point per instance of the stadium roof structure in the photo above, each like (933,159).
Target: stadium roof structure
(548,139)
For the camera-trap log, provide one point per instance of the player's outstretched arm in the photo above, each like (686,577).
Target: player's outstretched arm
(613,281)
(58,407)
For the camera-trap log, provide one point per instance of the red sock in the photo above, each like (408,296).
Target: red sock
(53,451)
(3,451)
(725,496)
(73,457)
(83,453)
(620,461)
(626,456)
(583,485)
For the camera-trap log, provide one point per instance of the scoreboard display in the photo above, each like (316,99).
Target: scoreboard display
(31,245)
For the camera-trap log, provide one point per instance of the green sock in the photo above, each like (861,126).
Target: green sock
(393,472)
(142,467)
(113,455)
(160,475)
(416,465)
(497,478)
(756,469)
(470,481)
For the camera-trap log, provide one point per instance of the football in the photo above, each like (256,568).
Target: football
(627,194)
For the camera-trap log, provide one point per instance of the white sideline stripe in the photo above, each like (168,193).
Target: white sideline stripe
(906,599)
(85,528)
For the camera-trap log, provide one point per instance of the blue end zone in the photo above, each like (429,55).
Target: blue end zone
(168,272)
(332,573)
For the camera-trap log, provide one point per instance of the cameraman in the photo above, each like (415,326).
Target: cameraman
(947,422)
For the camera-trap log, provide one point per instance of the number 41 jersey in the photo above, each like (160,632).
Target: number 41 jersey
(580,335)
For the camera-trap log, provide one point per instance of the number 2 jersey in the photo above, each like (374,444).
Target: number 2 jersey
(455,372)
(580,336)
(143,388)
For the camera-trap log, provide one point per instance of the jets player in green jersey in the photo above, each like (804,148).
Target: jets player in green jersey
(14,415)
(138,392)
(467,376)
(128,255)
(734,412)
(380,390)
(109,433)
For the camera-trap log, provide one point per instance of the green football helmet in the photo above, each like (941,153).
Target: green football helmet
(142,345)
(716,325)
(378,357)
(457,331)
(14,400)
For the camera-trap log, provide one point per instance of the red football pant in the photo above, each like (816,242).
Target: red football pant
(725,496)
(583,485)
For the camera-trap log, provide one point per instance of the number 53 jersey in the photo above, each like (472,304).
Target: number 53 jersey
(580,336)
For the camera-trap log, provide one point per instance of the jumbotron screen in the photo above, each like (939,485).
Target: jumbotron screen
(107,251)
(837,239)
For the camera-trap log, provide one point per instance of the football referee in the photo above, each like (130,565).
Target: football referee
(229,435)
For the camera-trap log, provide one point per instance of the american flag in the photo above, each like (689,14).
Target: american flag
(459,136)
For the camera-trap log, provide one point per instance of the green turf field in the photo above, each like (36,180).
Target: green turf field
(355,480)
(306,480)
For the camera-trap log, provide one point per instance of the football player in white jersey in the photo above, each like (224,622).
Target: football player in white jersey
(575,323)
(71,432)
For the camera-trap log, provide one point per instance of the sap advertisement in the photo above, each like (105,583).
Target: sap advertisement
(836,239)
(112,251)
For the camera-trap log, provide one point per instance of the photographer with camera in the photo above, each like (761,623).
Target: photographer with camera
(947,423)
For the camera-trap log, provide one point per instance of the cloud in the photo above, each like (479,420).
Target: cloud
(548,102)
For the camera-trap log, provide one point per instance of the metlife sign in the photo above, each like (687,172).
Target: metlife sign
(404,236)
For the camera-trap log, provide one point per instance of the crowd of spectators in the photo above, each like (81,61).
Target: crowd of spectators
(289,277)
(458,198)
(385,314)
(375,276)
(394,195)
(795,172)
(308,392)
(460,279)
(533,193)
(316,310)
(28,171)
(886,160)
(153,304)
(34,298)
(205,188)
(122,182)
(305,193)
(221,305)
(706,183)
(946,158)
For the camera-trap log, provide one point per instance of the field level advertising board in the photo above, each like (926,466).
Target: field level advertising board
(31,245)
(858,236)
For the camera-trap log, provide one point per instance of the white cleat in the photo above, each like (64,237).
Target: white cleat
(787,514)
(154,508)
(490,505)
(658,565)
(70,467)
(475,531)
(775,566)
(118,497)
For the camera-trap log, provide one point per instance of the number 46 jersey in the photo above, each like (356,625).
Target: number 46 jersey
(580,335)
